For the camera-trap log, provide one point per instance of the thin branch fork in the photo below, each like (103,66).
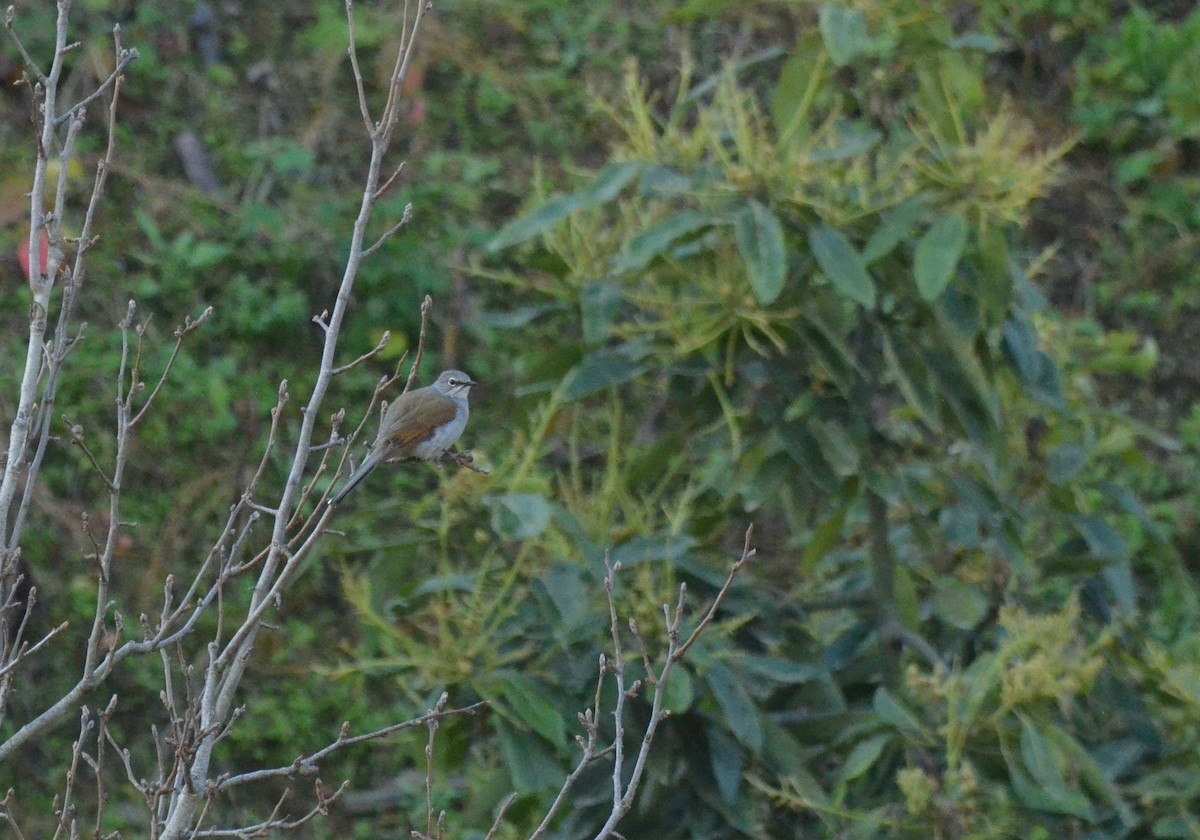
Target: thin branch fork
(307,765)
(370,354)
(124,59)
(624,791)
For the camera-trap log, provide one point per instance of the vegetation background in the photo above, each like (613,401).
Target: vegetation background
(909,284)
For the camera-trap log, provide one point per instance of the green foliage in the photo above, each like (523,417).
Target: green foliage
(800,289)
(849,296)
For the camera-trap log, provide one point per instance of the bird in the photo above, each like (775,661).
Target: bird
(420,425)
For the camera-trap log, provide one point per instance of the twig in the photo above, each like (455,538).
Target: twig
(388,183)
(77,440)
(747,553)
(307,765)
(8,815)
(9,18)
(625,789)
(189,326)
(124,59)
(500,812)
(363,108)
(433,728)
(392,231)
(426,308)
(370,354)
(26,651)
(273,823)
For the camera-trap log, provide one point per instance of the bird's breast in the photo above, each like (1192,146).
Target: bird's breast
(444,436)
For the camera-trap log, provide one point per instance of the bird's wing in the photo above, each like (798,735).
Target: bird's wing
(414,417)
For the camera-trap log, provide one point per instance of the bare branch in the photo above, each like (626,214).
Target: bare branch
(274,823)
(388,183)
(747,553)
(503,809)
(26,651)
(624,790)
(9,18)
(189,326)
(392,231)
(307,765)
(124,59)
(426,308)
(370,354)
(358,79)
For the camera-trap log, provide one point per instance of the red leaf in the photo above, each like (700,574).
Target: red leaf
(23,254)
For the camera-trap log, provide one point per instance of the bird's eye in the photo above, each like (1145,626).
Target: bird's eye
(453,381)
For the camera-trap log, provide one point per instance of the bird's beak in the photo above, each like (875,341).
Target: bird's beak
(470,383)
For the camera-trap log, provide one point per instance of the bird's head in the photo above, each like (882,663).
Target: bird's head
(454,383)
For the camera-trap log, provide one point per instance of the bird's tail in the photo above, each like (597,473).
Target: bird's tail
(364,469)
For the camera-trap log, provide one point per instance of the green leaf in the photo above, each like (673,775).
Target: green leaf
(652,549)
(844,32)
(1041,759)
(1095,777)
(803,448)
(1031,795)
(727,764)
(982,677)
(937,255)
(519,516)
(604,368)
(1104,542)
(1021,343)
(523,701)
(963,387)
(516,318)
(994,278)
(853,140)
(532,764)
(781,671)
(1128,501)
(1120,581)
(656,240)
(1047,767)
(1065,463)
(608,183)
(894,227)
(958,604)
(908,603)
(862,757)
(662,181)
(606,186)
(842,264)
(535,223)
(1038,372)
(824,537)
(760,241)
(698,10)
(960,311)
(739,711)
(912,377)
(446,583)
(838,448)
(799,79)
(598,307)
(831,351)
(564,585)
(806,787)
(896,713)
(680,691)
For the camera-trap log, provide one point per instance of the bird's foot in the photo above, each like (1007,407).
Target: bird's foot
(467,460)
